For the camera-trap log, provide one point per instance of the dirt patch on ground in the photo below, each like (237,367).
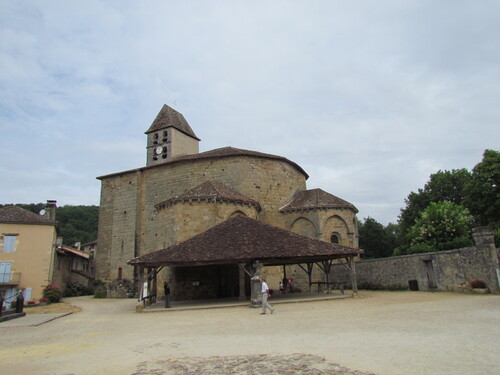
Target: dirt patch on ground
(53,308)
(303,364)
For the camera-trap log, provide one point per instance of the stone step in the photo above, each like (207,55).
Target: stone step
(10,314)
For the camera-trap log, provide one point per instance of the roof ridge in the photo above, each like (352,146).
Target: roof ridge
(169,117)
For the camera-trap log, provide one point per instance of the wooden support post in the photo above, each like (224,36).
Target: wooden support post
(326,266)
(155,285)
(354,281)
(241,267)
(309,272)
(141,282)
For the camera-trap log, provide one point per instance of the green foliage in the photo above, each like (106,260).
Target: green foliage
(441,225)
(75,289)
(483,199)
(76,223)
(375,240)
(420,248)
(478,191)
(53,293)
(443,186)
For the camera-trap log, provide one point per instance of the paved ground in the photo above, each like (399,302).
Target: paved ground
(384,333)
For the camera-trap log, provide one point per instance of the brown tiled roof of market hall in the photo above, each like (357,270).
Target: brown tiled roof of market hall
(169,117)
(219,153)
(314,199)
(241,240)
(209,191)
(16,215)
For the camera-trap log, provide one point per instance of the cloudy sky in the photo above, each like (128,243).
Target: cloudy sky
(369,97)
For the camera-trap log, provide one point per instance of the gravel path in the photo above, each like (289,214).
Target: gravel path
(384,333)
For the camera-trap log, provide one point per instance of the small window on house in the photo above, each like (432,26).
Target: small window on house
(9,243)
(335,238)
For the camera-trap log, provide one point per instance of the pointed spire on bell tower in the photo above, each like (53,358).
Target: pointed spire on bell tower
(168,136)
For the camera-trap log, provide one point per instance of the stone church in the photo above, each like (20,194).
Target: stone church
(181,193)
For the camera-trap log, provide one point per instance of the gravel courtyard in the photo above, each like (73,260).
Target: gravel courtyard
(383,333)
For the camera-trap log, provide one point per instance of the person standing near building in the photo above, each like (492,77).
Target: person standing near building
(265,296)
(167,294)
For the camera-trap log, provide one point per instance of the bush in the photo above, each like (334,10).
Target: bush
(75,289)
(457,243)
(477,284)
(53,293)
(420,248)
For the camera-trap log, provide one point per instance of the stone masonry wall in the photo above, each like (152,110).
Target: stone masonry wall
(448,270)
(129,224)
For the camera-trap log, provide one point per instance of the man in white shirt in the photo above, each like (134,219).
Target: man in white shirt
(265,295)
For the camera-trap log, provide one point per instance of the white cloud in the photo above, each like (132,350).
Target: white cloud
(369,98)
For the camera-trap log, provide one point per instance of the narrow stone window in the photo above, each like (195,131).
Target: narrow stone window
(335,238)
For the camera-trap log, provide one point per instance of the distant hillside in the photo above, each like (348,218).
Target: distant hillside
(76,223)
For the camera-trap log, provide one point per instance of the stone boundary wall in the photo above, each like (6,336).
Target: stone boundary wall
(444,271)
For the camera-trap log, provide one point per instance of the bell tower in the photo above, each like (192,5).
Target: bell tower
(169,136)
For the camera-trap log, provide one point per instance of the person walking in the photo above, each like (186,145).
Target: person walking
(265,296)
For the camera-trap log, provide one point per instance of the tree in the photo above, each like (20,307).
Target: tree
(441,226)
(375,240)
(76,223)
(483,193)
(443,186)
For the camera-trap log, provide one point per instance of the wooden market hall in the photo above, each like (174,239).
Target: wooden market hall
(230,255)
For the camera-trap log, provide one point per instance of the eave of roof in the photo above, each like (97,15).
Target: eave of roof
(71,250)
(209,191)
(241,240)
(219,153)
(315,199)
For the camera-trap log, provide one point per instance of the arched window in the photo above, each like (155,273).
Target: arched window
(335,238)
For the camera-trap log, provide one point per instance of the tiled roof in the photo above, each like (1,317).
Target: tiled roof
(210,191)
(218,153)
(169,117)
(16,215)
(242,239)
(314,199)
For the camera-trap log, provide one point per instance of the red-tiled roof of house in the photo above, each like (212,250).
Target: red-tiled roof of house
(241,240)
(169,117)
(210,191)
(16,215)
(314,199)
(219,153)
